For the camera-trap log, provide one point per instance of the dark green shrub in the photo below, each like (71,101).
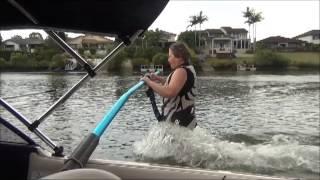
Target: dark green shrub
(267,58)
(223,64)
(5,54)
(93,51)
(115,63)
(45,54)
(150,52)
(139,53)
(81,51)
(57,62)
(20,61)
(195,62)
(137,62)
(43,65)
(160,58)
(131,50)
(4,64)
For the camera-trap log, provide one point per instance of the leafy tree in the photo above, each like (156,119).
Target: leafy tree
(151,51)
(146,46)
(51,44)
(152,38)
(35,35)
(16,37)
(187,37)
(140,52)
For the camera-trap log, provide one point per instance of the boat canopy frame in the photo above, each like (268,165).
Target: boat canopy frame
(25,13)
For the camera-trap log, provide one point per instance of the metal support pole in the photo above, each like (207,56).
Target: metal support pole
(76,86)
(56,38)
(58,150)
(91,72)
(113,53)
(72,52)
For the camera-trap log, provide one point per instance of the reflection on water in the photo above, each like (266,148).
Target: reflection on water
(260,123)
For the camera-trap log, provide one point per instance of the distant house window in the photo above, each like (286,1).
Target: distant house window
(239,44)
(316,37)
(283,45)
(9,47)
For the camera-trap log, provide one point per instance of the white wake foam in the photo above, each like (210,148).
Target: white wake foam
(197,148)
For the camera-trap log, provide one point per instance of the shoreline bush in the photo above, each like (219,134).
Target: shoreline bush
(269,59)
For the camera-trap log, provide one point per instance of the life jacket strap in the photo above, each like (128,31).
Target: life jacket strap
(155,109)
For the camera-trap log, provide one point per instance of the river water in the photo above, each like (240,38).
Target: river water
(261,123)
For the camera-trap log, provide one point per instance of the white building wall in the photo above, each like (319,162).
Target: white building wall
(306,38)
(16,46)
(310,40)
(317,41)
(172,38)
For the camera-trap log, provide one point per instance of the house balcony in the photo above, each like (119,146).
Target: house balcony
(9,48)
(223,50)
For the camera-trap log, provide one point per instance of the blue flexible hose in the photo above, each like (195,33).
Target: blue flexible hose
(104,123)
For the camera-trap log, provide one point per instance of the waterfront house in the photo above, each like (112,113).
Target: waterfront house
(312,36)
(225,41)
(281,43)
(88,41)
(17,43)
(166,38)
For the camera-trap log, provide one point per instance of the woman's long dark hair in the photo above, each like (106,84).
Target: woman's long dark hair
(179,50)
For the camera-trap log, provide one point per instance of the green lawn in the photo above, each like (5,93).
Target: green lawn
(303,59)
(296,59)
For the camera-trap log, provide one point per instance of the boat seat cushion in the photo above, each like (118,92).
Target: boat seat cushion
(83,174)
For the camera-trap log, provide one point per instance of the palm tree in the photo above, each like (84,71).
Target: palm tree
(201,19)
(248,14)
(252,18)
(256,17)
(193,22)
(0,39)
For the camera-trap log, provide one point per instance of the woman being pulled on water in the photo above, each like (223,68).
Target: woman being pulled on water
(178,90)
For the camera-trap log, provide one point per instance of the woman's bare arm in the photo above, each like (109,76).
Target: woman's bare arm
(178,79)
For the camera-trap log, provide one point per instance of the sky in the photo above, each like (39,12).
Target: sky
(280,18)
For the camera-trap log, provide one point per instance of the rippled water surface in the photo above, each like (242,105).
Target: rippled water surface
(253,123)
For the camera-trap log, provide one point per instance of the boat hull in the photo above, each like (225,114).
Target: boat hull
(42,165)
